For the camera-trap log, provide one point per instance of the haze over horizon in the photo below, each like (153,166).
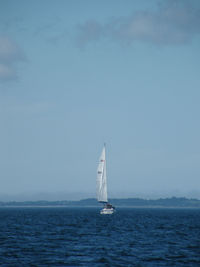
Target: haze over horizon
(76,74)
(76,196)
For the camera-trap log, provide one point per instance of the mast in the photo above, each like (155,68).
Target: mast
(101,178)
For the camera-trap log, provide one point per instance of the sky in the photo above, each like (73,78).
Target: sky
(76,74)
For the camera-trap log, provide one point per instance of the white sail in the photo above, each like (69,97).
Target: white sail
(101,178)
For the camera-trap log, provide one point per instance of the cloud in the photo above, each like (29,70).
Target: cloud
(173,22)
(91,30)
(10,56)
(7,73)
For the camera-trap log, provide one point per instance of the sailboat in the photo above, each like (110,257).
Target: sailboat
(102,195)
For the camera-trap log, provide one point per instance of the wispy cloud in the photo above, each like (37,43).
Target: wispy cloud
(10,55)
(27,109)
(90,31)
(173,22)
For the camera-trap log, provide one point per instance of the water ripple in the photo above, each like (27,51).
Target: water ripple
(82,237)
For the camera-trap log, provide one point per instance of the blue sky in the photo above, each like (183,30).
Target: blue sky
(76,74)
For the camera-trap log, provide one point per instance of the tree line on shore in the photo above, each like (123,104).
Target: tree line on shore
(118,202)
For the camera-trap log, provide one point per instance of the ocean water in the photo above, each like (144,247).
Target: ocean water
(83,237)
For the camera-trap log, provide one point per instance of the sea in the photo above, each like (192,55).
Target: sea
(60,236)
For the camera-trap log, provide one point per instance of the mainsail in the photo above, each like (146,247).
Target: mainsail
(101,178)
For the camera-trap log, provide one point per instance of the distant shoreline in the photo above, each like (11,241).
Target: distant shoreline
(96,207)
(173,202)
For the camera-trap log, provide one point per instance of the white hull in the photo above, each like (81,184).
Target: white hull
(107,211)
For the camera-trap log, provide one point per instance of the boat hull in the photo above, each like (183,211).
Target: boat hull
(107,211)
